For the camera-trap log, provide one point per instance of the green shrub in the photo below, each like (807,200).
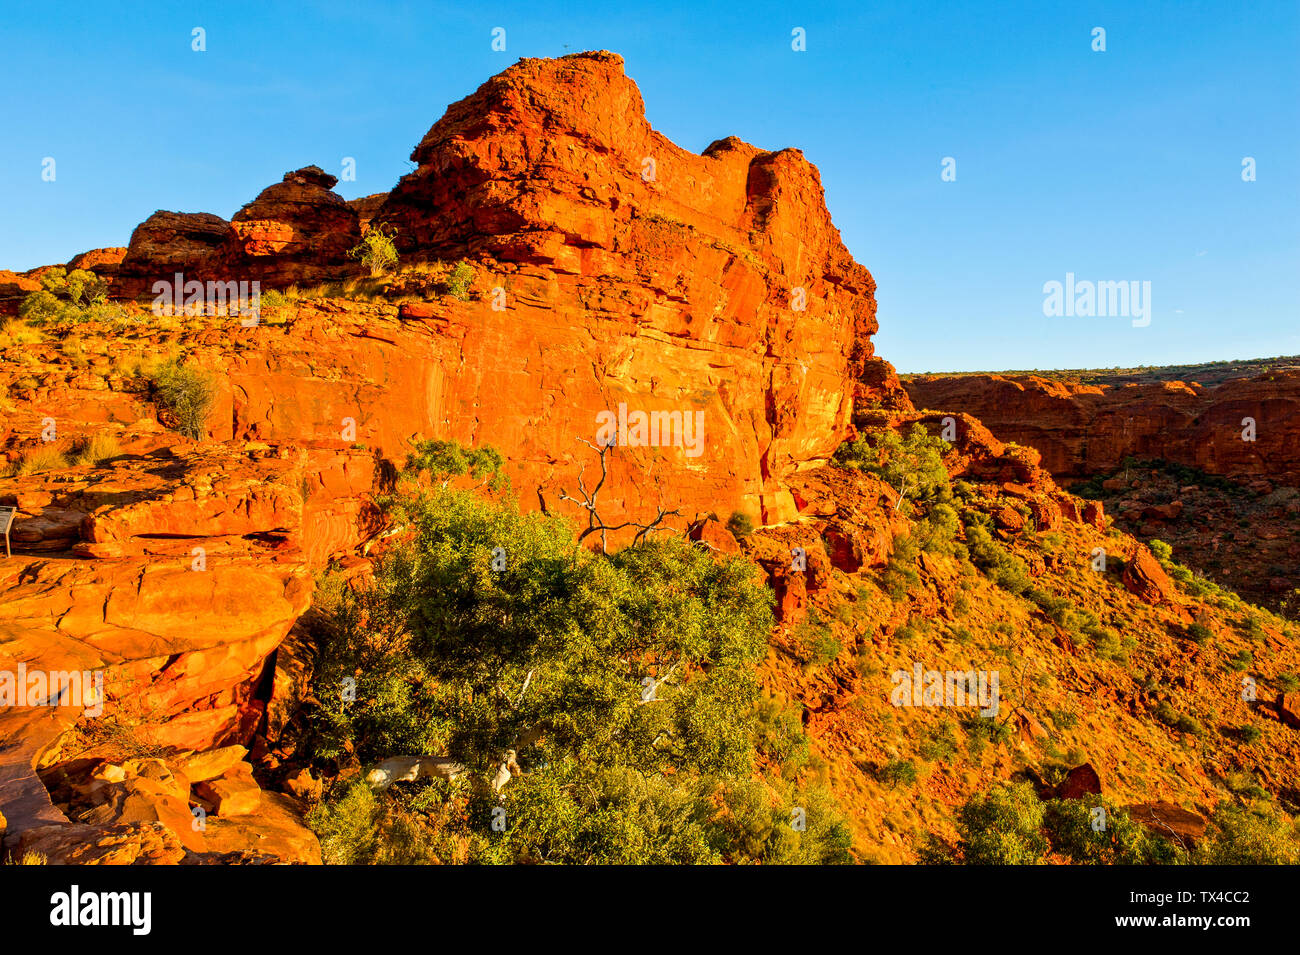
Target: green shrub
(1261,835)
(941,743)
(55,280)
(1162,551)
(778,733)
(899,575)
(38,308)
(740,524)
(1173,719)
(1240,661)
(85,287)
(187,393)
(459,281)
(1076,831)
(937,533)
(447,459)
(981,731)
(1199,633)
(898,772)
(346,825)
(912,464)
(1253,630)
(1003,826)
(824,648)
(1246,733)
(550,655)
(1002,567)
(376,251)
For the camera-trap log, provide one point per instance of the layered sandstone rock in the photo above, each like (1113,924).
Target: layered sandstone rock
(103,262)
(365,207)
(191,243)
(1083,430)
(296,231)
(14,287)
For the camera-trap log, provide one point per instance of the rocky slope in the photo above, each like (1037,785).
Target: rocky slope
(1087,429)
(609,267)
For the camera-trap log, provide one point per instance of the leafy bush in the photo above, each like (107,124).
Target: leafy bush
(1069,824)
(38,308)
(937,533)
(1262,835)
(777,733)
(899,575)
(345,826)
(1174,720)
(1199,633)
(459,281)
(69,296)
(982,731)
(1161,551)
(446,459)
(1239,661)
(740,524)
(1003,826)
(1246,733)
(912,464)
(898,772)
(85,287)
(551,656)
(941,744)
(185,392)
(376,250)
(1002,567)
(824,648)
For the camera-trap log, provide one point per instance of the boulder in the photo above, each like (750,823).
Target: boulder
(234,793)
(201,767)
(191,243)
(1146,579)
(1079,782)
(1173,822)
(1288,708)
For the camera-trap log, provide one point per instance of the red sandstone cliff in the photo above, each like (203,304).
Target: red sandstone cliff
(1083,430)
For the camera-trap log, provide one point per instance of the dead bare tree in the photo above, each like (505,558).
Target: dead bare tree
(587,501)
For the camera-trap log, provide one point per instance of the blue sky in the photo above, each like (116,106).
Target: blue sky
(1117,166)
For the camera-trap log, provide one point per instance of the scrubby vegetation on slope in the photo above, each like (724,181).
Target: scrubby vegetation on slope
(626,685)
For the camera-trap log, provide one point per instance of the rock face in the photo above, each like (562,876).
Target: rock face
(14,287)
(366,207)
(632,274)
(1082,430)
(191,243)
(294,231)
(712,283)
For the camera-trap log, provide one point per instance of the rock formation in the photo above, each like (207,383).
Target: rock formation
(1082,430)
(612,272)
